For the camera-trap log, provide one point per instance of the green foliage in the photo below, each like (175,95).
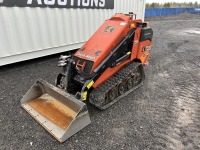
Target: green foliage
(154,5)
(147,5)
(167,5)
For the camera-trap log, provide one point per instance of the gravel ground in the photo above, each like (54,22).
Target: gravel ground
(163,114)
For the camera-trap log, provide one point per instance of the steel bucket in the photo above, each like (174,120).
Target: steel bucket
(60,113)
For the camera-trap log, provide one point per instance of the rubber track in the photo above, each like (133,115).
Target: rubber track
(98,95)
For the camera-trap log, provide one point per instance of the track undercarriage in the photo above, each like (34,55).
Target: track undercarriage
(119,85)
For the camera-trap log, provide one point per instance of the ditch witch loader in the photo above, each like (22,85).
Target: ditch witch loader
(105,69)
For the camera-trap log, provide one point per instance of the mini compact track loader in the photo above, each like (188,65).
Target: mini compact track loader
(105,69)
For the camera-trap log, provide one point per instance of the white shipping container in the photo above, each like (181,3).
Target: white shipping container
(31,32)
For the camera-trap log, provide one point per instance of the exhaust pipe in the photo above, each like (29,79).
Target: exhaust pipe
(60,113)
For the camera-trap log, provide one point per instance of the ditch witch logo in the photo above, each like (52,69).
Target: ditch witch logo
(99,4)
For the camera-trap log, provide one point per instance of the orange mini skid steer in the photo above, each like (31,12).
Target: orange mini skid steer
(105,69)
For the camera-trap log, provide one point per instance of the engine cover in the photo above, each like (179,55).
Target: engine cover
(104,40)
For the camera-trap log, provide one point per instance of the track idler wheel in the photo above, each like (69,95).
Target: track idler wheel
(112,94)
(129,83)
(137,77)
(122,88)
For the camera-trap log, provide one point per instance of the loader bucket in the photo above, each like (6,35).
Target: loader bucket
(60,113)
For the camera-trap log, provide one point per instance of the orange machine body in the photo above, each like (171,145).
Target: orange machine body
(105,39)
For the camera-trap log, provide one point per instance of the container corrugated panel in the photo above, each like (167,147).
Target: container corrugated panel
(27,33)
